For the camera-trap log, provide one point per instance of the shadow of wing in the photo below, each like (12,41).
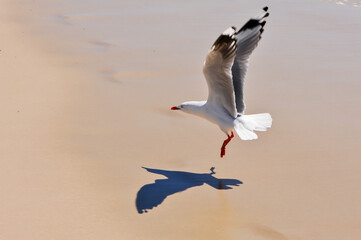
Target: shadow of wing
(151,195)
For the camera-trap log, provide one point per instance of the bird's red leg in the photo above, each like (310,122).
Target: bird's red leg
(223,149)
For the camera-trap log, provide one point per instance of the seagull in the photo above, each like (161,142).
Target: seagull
(225,68)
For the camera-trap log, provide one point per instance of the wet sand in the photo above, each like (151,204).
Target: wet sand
(85,107)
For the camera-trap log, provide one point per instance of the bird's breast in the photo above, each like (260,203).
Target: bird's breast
(220,117)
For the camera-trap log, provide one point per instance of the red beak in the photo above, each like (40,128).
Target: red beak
(175,108)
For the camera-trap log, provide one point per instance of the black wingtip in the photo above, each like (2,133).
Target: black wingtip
(263,23)
(265,8)
(261,30)
(266,15)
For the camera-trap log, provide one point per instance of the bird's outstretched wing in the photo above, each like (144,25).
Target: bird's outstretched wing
(247,39)
(217,71)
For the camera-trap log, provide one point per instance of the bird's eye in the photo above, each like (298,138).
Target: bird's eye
(181,106)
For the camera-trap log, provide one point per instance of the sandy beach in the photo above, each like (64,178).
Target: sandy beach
(90,149)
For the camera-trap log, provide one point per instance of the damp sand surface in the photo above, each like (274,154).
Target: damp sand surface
(86,92)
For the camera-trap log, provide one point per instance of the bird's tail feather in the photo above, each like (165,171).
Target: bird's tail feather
(247,124)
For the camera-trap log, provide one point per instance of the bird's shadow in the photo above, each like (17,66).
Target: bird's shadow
(152,195)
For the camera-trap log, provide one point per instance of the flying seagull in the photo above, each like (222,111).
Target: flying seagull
(225,68)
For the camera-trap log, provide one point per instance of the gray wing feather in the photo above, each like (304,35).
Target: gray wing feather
(217,71)
(247,40)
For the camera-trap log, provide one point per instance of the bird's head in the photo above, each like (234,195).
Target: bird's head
(189,107)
